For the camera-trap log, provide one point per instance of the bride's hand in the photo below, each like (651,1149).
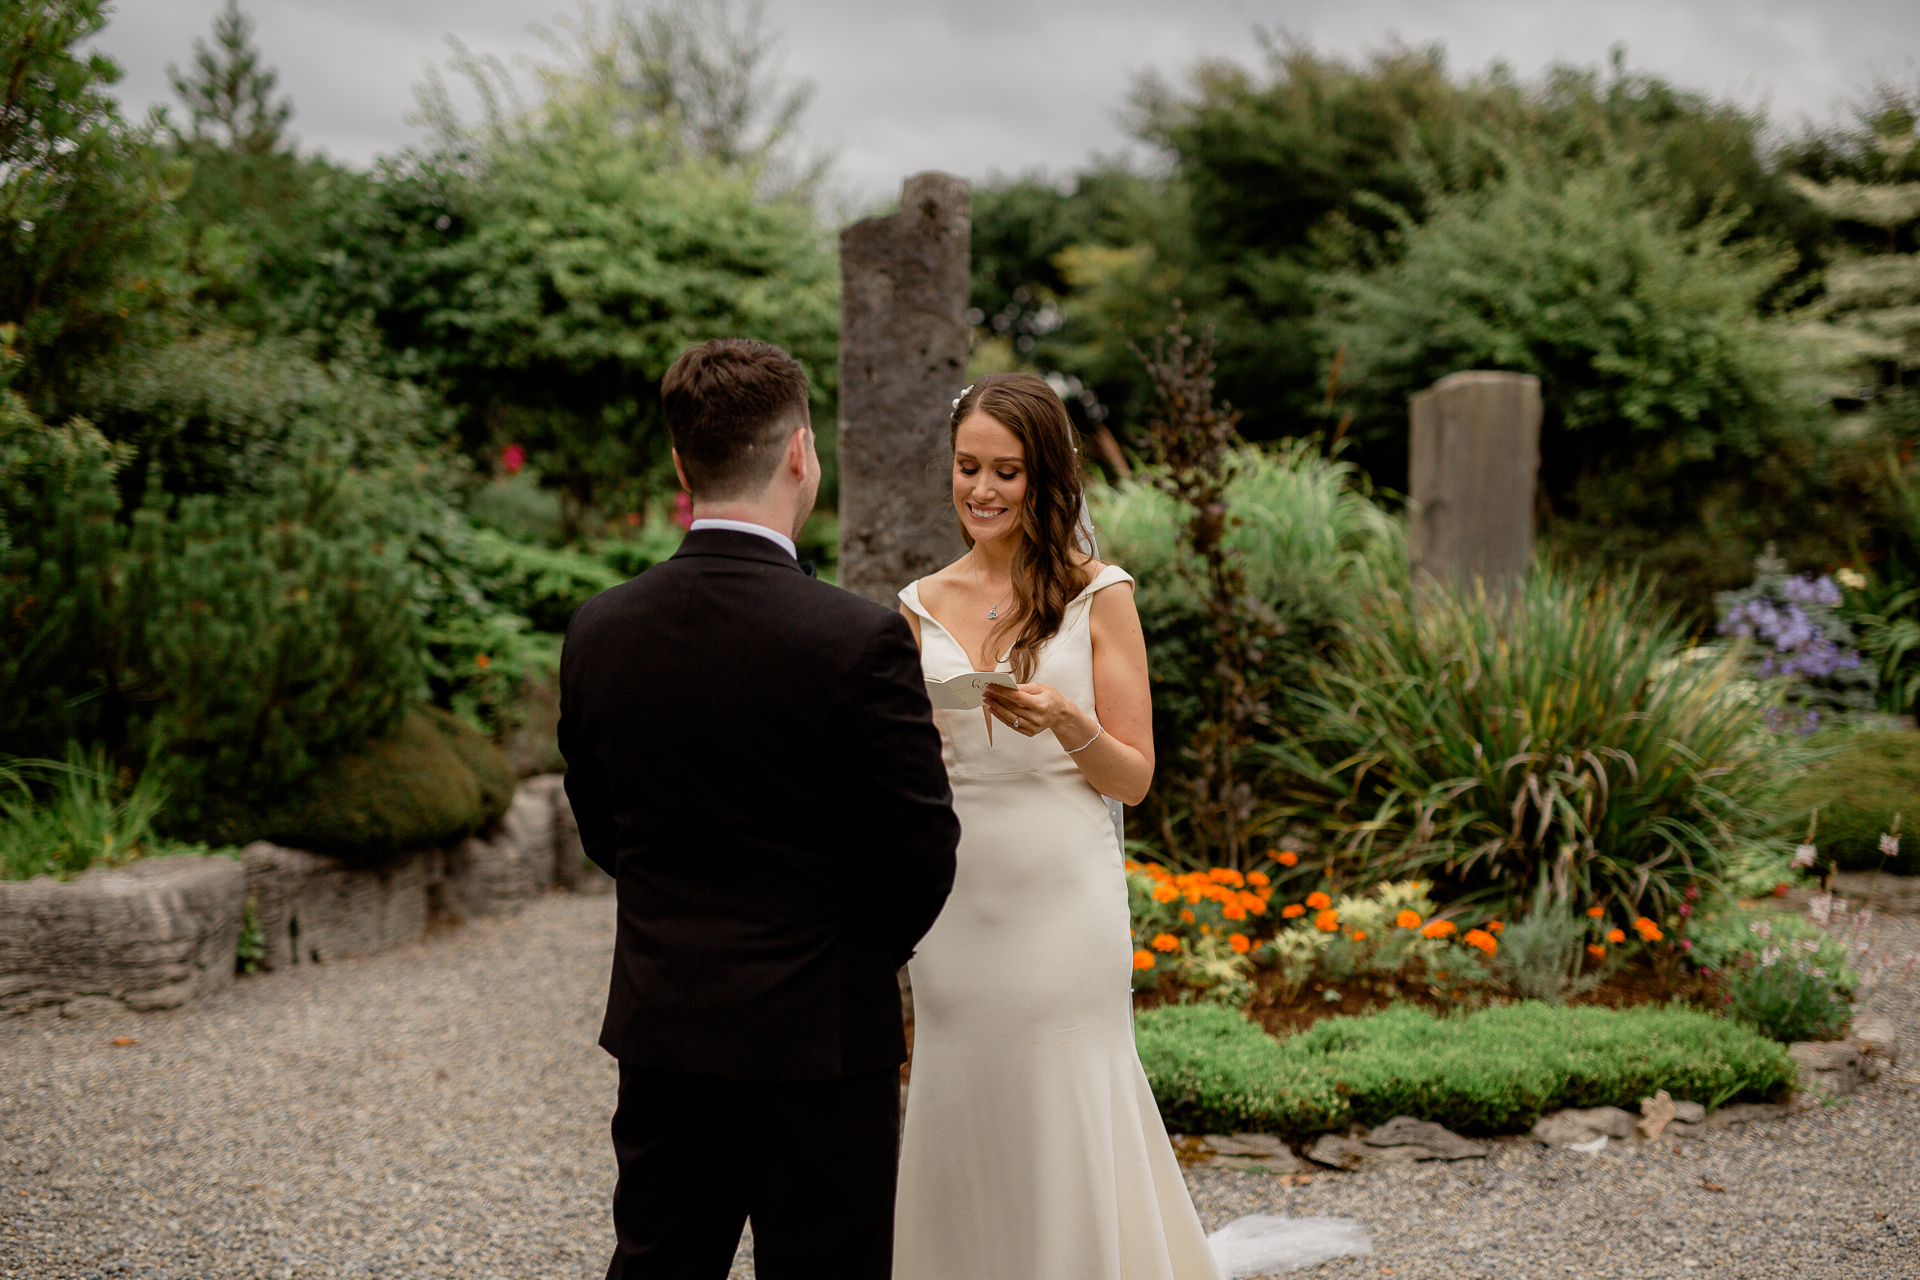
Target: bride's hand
(1033,708)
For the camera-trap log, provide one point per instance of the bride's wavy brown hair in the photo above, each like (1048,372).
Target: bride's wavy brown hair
(1045,576)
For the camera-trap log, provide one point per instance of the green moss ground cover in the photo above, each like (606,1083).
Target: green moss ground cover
(1496,1070)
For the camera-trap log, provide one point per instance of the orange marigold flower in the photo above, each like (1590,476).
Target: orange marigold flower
(1288,859)
(1165,942)
(1234,911)
(1318,901)
(1408,919)
(1327,921)
(1187,915)
(1131,865)
(1253,902)
(1359,935)
(1240,943)
(1226,875)
(1597,951)
(1143,959)
(1648,929)
(1193,893)
(1616,935)
(1493,926)
(1165,893)
(1481,939)
(1438,929)
(1596,912)
(1257,879)
(1293,911)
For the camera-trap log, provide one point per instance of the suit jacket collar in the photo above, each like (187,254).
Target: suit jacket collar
(730,545)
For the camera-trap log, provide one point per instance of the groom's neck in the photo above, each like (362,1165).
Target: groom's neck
(770,513)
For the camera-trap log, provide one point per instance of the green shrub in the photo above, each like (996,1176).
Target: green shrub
(1542,954)
(276,633)
(434,779)
(1302,531)
(1496,1070)
(1858,789)
(1787,998)
(1567,733)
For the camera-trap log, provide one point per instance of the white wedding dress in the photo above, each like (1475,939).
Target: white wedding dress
(1033,1149)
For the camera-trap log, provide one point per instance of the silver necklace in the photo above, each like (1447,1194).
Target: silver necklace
(993,610)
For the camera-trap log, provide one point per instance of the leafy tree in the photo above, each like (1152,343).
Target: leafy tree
(229,93)
(83,197)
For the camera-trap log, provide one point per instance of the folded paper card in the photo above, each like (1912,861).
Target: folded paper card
(965,691)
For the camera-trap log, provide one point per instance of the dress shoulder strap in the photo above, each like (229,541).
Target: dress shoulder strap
(1112,575)
(910,597)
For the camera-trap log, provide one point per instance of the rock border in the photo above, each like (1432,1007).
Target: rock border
(162,931)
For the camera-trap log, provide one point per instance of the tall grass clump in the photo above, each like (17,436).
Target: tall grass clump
(60,817)
(1564,732)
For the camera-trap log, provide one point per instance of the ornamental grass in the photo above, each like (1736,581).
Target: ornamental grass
(1567,733)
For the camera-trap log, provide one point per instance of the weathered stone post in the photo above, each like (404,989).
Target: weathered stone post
(904,285)
(1476,458)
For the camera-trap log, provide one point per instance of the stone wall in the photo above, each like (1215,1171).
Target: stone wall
(150,935)
(164,930)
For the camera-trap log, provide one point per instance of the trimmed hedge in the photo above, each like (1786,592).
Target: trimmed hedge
(1869,778)
(1497,1070)
(433,780)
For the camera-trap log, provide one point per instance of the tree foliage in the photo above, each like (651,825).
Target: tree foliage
(229,94)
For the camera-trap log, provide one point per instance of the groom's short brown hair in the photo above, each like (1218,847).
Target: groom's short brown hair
(730,404)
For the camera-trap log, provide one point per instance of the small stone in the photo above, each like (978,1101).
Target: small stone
(1243,1144)
(1337,1152)
(1688,1113)
(1830,1067)
(1440,1142)
(1875,1036)
(1611,1121)
(1560,1130)
(1656,1113)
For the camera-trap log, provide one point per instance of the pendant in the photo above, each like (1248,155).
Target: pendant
(992,614)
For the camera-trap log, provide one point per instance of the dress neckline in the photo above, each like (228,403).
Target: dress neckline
(910,596)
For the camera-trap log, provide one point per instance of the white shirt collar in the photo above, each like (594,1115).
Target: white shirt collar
(780,540)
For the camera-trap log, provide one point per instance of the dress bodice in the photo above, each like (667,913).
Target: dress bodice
(1066,663)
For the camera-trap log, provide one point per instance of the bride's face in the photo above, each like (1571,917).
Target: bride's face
(989,478)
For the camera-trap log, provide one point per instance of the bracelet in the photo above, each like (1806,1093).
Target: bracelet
(1098,730)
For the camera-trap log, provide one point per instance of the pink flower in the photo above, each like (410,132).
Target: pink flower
(513,458)
(1889,845)
(1802,857)
(1693,892)
(1686,909)
(1686,944)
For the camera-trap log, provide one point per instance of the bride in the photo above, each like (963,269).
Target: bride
(1033,1147)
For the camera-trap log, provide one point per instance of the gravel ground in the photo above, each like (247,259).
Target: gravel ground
(441,1110)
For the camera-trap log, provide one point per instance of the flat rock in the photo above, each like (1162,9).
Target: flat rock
(1574,1124)
(1830,1067)
(1876,1038)
(1440,1142)
(1688,1113)
(1745,1113)
(1243,1144)
(1338,1152)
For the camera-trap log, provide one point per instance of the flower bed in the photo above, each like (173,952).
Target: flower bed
(1495,1070)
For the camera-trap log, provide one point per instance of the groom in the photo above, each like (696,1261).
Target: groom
(750,754)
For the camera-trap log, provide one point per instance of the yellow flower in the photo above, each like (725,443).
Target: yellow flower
(1240,943)
(1318,901)
(1143,959)
(1165,942)
(1408,919)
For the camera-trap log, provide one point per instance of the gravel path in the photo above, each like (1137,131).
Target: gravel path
(441,1110)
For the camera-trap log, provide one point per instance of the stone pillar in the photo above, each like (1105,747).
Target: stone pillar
(1476,458)
(904,286)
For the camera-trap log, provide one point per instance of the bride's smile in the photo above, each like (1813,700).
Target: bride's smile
(989,478)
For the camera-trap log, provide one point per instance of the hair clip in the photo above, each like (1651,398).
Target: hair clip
(963,395)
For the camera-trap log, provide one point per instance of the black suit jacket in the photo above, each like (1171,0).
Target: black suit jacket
(751,755)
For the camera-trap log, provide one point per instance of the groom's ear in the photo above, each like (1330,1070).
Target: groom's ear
(680,470)
(799,446)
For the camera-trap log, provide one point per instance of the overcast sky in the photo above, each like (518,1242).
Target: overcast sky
(978,86)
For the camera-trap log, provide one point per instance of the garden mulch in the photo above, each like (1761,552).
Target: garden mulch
(440,1111)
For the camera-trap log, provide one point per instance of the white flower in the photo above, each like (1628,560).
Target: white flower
(1802,856)
(1889,845)
(1769,957)
(1820,907)
(1851,579)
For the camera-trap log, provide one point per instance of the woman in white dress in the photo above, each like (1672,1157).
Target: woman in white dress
(1033,1149)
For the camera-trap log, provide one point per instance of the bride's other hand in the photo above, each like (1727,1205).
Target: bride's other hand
(1036,707)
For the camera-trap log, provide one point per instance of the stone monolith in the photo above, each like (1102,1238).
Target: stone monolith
(904,284)
(1476,458)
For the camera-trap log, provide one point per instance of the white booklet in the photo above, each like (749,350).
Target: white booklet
(967,690)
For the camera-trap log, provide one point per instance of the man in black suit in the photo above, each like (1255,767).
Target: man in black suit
(751,755)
